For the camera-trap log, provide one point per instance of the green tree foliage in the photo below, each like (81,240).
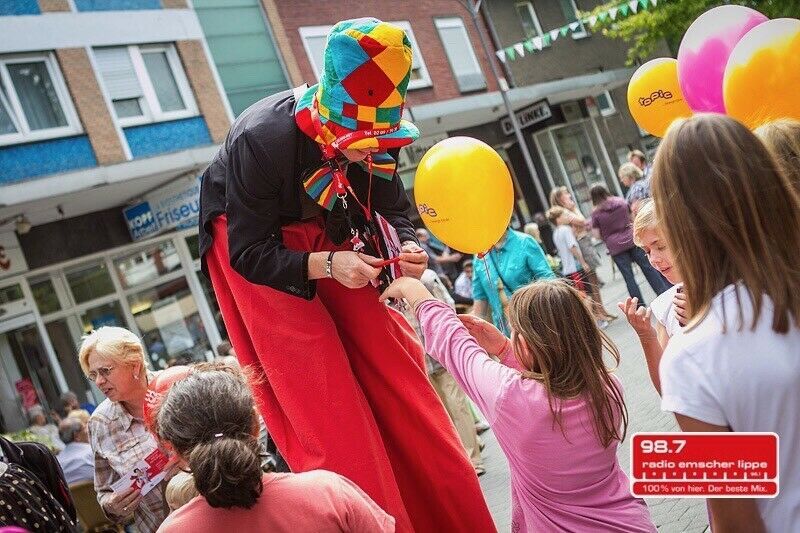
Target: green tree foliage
(670,20)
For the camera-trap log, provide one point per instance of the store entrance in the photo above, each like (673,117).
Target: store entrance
(27,378)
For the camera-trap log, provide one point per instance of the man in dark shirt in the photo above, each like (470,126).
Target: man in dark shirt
(299,209)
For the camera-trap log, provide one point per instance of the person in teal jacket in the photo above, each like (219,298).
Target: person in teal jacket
(516,260)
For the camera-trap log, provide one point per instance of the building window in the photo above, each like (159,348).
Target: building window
(145,83)
(34,101)
(459,51)
(605,104)
(529,20)
(314,38)
(570,11)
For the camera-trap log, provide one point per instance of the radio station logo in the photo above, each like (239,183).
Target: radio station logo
(654,96)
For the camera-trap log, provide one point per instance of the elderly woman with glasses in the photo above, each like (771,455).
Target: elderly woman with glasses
(114,359)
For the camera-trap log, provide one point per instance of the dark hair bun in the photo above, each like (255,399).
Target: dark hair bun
(227,471)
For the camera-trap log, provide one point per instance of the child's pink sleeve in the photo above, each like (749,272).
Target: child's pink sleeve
(509,359)
(483,379)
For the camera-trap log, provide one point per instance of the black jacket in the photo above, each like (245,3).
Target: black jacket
(256,180)
(37,459)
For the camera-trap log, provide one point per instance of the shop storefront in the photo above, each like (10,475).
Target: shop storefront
(573,155)
(153,287)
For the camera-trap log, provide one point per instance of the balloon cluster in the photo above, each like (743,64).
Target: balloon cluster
(732,60)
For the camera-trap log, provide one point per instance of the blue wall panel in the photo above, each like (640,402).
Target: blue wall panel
(19,7)
(116,5)
(25,161)
(171,136)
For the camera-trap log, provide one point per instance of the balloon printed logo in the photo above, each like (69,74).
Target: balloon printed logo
(655,95)
(425,210)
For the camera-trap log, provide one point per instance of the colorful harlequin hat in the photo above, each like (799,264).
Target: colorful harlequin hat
(358,102)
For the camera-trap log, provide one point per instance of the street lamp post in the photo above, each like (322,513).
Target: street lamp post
(474,11)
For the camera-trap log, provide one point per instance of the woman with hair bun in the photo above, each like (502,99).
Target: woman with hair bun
(210,421)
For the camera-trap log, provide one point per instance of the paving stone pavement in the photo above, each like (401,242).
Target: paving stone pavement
(670,515)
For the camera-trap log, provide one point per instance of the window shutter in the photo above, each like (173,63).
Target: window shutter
(118,73)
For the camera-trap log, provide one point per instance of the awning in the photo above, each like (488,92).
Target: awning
(470,111)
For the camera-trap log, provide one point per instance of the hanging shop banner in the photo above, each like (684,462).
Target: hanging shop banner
(174,206)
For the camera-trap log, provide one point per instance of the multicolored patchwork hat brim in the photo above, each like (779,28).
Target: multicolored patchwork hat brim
(329,132)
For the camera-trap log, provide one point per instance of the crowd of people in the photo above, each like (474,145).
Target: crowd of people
(377,415)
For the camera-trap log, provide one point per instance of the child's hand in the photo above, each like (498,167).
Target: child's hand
(681,310)
(638,317)
(488,337)
(405,287)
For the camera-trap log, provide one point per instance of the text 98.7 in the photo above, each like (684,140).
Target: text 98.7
(662,446)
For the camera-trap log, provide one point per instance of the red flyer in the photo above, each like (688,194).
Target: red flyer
(704,465)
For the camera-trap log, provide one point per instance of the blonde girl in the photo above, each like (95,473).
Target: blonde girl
(669,307)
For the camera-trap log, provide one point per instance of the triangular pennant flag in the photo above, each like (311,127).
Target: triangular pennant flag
(510,53)
(501,55)
(529,46)
(537,42)
(654,2)
(554,35)
(613,13)
(564,31)
(624,10)
(593,20)
(634,5)
(643,4)
(603,16)
(575,25)
(546,40)
(520,50)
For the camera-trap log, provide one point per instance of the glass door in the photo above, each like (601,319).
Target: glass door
(27,377)
(62,337)
(580,162)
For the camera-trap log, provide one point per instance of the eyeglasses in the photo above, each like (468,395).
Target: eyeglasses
(104,371)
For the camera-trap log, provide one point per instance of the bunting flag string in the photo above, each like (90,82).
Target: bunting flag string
(536,44)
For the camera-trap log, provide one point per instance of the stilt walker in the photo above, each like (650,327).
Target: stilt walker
(303,220)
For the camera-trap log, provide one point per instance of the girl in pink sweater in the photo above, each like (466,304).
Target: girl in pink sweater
(557,411)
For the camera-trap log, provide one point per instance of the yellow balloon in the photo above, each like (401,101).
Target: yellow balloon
(762,78)
(654,96)
(464,194)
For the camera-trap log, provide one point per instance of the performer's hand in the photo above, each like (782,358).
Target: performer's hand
(488,337)
(354,270)
(413,260)
(409,288)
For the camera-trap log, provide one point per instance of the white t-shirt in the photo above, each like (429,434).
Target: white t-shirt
(664,311)
(748,380)
(564,239)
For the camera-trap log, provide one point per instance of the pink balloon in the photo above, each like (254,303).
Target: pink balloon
(704,53)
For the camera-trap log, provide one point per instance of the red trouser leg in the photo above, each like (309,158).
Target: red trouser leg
(309,397)
(438,483)
(344,390)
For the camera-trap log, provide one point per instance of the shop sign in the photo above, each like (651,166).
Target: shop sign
(533,114)
(12,260)
(176,205)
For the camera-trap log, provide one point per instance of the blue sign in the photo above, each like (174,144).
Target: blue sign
(140,220)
